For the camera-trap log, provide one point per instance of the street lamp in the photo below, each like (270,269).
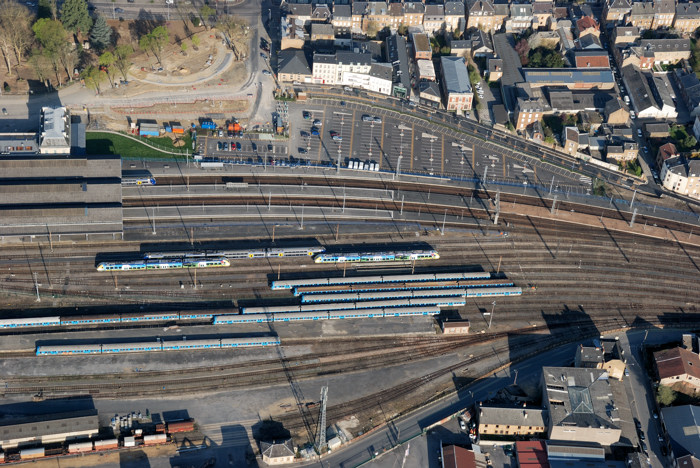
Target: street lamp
(492,310)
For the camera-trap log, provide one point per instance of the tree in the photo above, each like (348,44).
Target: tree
(15,32)
(372,29)
(101,34)
(42,67)
(183,47)
(206,12)
(402,30)
(523,49)
(53,39)
(106,61)
(92,76)
(75,16)
(195,42)
(122,56)
(155,41)
(47,9)
(474,76)
(665,396)
(236,30)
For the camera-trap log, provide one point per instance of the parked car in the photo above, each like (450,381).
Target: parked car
(238,145)
(318,123)
(366,118)
(337,138)
(219,145)
(118,10)
(306,115)
(225,146)
(462,425)
(314,131)
(377,119)
(267,73)
(302,151)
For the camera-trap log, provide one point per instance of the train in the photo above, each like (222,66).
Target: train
(298,291)
(151,346)
(447,301)
(81,320)
(375,295)
(241,253)
(164,264)
(138,181)
(379,312)
(362,257)
(325,281)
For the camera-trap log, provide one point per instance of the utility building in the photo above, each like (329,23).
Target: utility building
(48,428)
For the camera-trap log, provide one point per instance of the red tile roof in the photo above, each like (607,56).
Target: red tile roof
(457,457)
(585,23)
(668,151)
(531,454)
(677,361)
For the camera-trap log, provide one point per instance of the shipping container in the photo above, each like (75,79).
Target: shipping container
(106,444)
(155,439)
(80,447)
(129,442)
(181,426)
(160,428)
(177,129)
(167,127)
(28,454)
(208,124)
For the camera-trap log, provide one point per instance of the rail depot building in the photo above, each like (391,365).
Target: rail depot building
(48,429)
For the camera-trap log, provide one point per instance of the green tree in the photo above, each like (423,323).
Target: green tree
(92,76)
(43,67)
(195,41)
(53,39)
(183,47)
(106,61)
(75,16)
(665,396)
(157,40)
(47,9)
(372,29)
(15,32)
(101,34)
(206,12)
(474,76)
(402,30)
(122,58)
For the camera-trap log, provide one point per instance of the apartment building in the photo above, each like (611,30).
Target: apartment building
(456,88)
(682,176)
(511,421)
(687,18)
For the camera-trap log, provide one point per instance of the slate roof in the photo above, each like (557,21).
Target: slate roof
(454,9)
(683,427)
(430,87)
(684,168)
(277,449)
(568,75)
(342,12)
(687,11)
(381,70)
(480,8)
(293,62)
(638,88)
(455,75)
(509,416)
(665,45)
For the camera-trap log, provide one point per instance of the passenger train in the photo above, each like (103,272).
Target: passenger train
(138,181)
(401,286)
(164,264)
(179,345)
(375,295)
(243,253)
(327,315)
(395,256)
(290,284)
(447,301)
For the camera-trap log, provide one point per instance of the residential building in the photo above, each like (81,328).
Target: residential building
(413,13)
(587,25)
(656,130)
(434,18)
(543,15)
(589,42)
(277,453)
(293,66)
(535,132)
(511,421)
(359,9)
(455,17)
(687,17)
(580,405)
(614,11)
(426,70)
(396,53)
(687,461)
(625,35)
(627,151)
(531,105)
(572,78)
(590,357)
(298,13)
(330,68)
(453,456)
(377,79)
(679,369)
(682,176)
(501,12)
(663,51)
(681,423)
(689,86)
(570,139)
(342,19)
(376,15)
(482,46)
(664,14)
(461,48)
(481,15)
(662,90)
(520,17)
(566,36)
(642,15)
(591,59)
(321,13)
(512,70)
(616,112)
(421,47)
(548,39)
(322,35)
(457,90)
(640,93)
(494,69)
(455,327)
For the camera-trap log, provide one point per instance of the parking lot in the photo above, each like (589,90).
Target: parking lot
(364,139)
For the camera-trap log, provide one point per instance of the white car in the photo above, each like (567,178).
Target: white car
(462,425)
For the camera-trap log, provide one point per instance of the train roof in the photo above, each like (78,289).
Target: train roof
(30,320)
(380,279)
(69,348)
(250,339)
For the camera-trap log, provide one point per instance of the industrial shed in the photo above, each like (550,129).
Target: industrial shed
(48,428)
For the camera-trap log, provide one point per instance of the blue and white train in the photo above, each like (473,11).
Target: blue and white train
(304,251)
(138,181)
(290,284)
(164,264)
(375,295)
(327,315)
(151,346)
(393,256)
(448,301)
(81,320)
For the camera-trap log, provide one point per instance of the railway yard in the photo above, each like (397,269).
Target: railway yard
(573,281)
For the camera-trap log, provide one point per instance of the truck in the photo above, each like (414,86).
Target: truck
(234,129)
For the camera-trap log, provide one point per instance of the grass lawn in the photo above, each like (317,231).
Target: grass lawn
(109,143)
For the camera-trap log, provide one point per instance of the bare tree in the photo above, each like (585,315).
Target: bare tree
(236,30)
(15,32)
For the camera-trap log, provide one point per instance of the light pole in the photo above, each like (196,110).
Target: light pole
(492,310)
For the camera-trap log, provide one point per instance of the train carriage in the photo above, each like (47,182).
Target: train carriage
(90,319)
(369,296)
(155,317)
(65,350)
(242,318)
(126,266)
(138,181)
(206,263)
(30,322)
(302,282)
(301,316)
(195,316)
(163,264)
(249,341)
(485,292)
(191,344)
(298,291)
(110,348)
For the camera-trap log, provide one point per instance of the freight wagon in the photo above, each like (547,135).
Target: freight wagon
(180,426)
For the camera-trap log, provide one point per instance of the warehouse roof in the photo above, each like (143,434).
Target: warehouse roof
(47,424)
(568,75)
(683,427)
(638,88)
(455,75)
